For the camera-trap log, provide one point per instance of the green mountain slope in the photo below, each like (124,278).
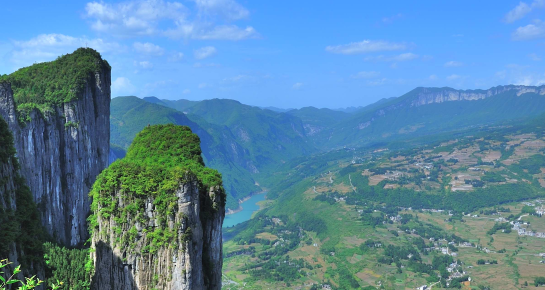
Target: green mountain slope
(315,120)
(270,138)
(425,111)
(129,115)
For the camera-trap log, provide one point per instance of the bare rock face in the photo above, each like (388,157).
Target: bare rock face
(192,260)
(16,210)
(61,153)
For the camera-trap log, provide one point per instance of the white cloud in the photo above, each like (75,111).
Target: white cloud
(530,31)
(366,75)
(204,52)
(366,46)
(297,86)
(401,57)
(203,85)
(186,91)
(534,57)
(453,63)
(238,78)
(432,77)
(122,86)
(530,80)
(227,9)
(47,47)
(522,9)
(518,12)
(453,77)
(176,56)
(171,19)
(208,32)
(133,18)
(148,48)
(144,64)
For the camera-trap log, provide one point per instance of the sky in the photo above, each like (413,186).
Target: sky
(287,54)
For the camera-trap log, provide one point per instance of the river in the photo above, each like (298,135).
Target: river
(248,208)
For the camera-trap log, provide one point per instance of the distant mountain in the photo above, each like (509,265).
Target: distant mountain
(129,115)
(432,110)
(275,109)
(315,120)
(269,137)
(181,105)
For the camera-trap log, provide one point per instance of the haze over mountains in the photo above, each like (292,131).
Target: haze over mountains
(247,143)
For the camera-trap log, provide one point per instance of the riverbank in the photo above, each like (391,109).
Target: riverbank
(249,207)
(241,201)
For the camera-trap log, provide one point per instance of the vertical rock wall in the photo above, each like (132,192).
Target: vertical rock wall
(61,153)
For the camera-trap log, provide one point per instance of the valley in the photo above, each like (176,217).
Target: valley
(345,223)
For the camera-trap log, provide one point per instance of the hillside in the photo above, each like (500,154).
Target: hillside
(402,216)
(428,111)
(129,115)
(315,120)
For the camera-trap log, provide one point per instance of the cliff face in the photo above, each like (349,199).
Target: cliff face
(431,96)
(158,225)
(20,229)
(61,152)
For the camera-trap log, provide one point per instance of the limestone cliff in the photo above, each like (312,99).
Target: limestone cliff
(157,216)
(61,149)
(20,229)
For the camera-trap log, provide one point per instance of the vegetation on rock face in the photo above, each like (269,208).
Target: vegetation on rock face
(160,159)
(48,84)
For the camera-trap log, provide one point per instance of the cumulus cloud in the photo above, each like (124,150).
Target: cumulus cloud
(204,52)
(432,77)
(186,91)
(522,9)
(46,47)
(122,86)
(530,31)
(171,19)
(453,63)
(366,46)
(297,86)
(366,75)
(133,18)
(148,48)
(202,85)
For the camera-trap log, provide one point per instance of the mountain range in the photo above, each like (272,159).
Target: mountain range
(247,143)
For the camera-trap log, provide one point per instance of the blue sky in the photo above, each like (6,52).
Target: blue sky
(286,53)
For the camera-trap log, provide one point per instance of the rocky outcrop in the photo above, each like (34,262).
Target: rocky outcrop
(426,96)
(156,223)
(61,152)
(193,260)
